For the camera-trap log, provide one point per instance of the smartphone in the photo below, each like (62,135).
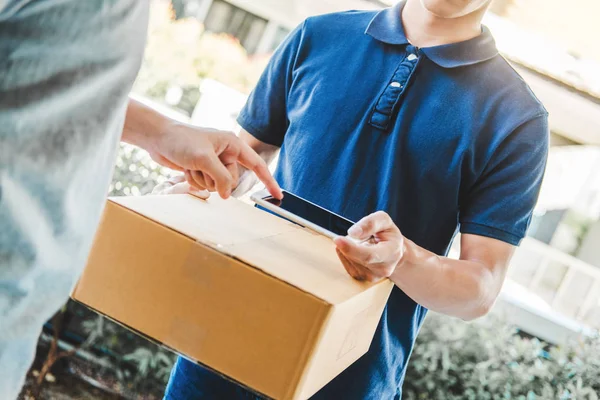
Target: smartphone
(304,213)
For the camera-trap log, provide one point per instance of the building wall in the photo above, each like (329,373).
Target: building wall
(282,15)
(572,24)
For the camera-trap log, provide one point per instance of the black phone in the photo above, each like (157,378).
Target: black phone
(305,213)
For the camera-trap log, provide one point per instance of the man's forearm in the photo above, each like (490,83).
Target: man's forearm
(143,125)
(459,288)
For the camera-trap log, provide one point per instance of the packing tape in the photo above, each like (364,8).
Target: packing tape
(184,335)
(352,336)
(203,262)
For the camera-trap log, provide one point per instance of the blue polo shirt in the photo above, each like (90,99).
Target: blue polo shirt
(443,139)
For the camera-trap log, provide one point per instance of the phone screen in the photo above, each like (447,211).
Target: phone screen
(313,213)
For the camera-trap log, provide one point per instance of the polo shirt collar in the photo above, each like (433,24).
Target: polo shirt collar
(387,27)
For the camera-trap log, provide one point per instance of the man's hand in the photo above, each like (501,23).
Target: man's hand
(203,181)
(198,152)
(211,159)
(247,179)
(377,258)
(465,288)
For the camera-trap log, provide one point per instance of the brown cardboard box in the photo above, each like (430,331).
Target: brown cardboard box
(252,296)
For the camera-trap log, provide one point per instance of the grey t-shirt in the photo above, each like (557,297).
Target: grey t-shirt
(66,68)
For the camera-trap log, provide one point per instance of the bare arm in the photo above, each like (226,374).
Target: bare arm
(143,126)
(465,288)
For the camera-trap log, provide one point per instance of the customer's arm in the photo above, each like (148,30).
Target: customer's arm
(198,152)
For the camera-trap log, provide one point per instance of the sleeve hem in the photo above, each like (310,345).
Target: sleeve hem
(258,133)
(491,232)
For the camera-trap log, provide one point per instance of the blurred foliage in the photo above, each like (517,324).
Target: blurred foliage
(140,365)
(578,224)
(136,173)
(155,363)
(180,54)
(488,360)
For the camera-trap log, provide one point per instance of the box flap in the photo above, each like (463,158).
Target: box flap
(279,248)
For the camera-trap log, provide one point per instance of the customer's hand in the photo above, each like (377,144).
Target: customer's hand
(211,159)
(202,180)
(377,258)
(199,152)
(178,185)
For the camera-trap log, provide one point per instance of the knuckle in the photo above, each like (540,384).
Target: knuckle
(255,165)
(261,164)
(381,214)
(368,224)
(201,155)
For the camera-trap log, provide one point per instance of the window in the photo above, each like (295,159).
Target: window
(226,18)
(280,34)
(543,227)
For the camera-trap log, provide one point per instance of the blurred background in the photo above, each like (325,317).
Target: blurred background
(541,342)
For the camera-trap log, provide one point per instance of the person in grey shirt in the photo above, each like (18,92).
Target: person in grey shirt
(66,68)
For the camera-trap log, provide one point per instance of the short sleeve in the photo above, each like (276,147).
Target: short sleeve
(265,114)
(500,204)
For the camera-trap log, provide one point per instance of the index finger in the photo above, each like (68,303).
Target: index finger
(249,159)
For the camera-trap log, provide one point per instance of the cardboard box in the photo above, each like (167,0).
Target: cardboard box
(256,298)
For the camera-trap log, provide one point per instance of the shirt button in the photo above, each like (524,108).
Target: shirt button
(411,57)
(396,84)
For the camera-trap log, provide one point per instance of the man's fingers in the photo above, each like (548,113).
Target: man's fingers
(354,251)
(189,177)
(209,183)
(249,159)
(198,179)
(350,267)
(212,166)
(202,194)
(371,225)
(196,185)
(366,254)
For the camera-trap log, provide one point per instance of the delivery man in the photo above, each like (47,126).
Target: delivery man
(410,117)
